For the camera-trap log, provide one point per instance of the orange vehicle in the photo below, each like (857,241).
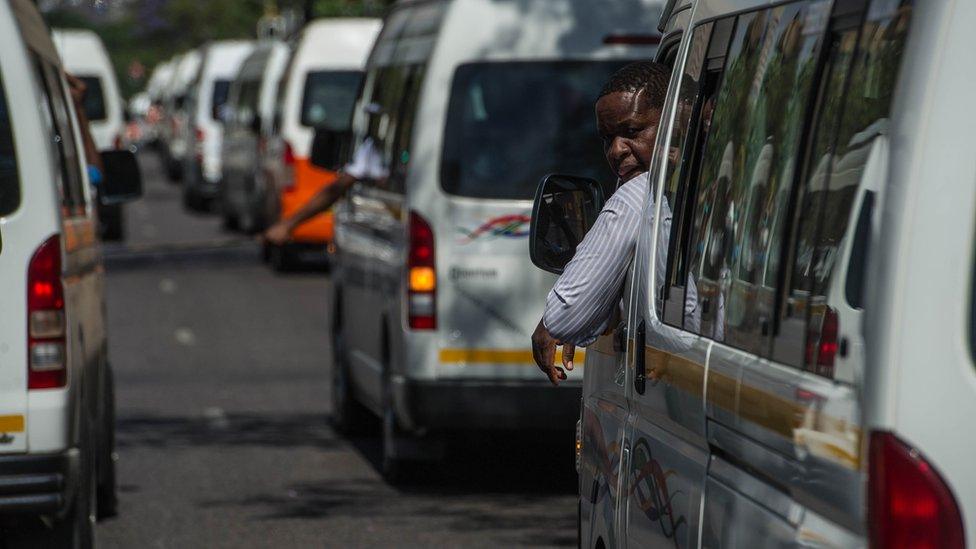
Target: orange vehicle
(318,90)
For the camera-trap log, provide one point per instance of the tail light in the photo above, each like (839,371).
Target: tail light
(199,135)
(909,505)
(46,352)
(821,348)
(288,159)
(288,155)
(421,276)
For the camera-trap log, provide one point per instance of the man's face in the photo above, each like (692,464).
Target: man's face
(628,127)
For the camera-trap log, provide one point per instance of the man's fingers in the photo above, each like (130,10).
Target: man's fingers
(569,351)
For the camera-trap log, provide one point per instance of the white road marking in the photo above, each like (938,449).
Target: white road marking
(185,336)
(216,417)
(167,286)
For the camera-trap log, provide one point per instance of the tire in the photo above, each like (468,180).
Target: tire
(281,259)
(349,417)
(230,222)
(113,227)
(193,202)
(107,491)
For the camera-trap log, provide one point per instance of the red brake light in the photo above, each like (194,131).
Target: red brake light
(289,155)
(200,135)
(421,277)
(822,345)
(45,318)
(909,505)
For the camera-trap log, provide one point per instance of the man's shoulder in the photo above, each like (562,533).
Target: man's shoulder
(630,195)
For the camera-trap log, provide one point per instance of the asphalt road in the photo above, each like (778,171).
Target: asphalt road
(221,372)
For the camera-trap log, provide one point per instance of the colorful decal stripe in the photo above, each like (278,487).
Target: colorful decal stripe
(499,356)
(508,226)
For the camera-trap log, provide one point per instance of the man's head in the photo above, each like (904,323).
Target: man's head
(627,115)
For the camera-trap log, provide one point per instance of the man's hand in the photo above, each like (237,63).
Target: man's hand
(77,88)
(544,353)
(278,234)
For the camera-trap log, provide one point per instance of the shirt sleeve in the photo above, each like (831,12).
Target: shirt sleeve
(580,305)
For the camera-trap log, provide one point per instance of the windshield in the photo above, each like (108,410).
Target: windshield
(329,97)
(510,124)
(221,90)
(9,182)
(94,98)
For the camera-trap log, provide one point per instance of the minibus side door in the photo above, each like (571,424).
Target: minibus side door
(665,444)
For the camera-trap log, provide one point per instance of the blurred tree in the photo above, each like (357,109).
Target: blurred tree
(152,31)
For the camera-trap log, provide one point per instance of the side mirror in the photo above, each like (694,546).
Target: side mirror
(565,208)
(330,148)
(122,180)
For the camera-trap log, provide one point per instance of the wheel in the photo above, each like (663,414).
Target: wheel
(193,202)
(174,171)
(113,227)
(349,417)
(393,467)
(107,492)
(281,259)
(229,221)
(266,252)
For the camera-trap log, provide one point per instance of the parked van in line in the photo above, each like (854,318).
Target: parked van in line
(156,88)
(245,186)
(435,299)
(175,137)
(318,90)
(56,393)
(85,57)
(799,368)
(204,131)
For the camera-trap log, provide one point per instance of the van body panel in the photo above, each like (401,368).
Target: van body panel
(918,321)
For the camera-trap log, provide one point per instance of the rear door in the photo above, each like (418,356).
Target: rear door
(509,123)
(767,225)
(13,372)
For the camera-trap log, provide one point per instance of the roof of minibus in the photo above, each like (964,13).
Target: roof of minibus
(336,43)
(82,51)
(223,58)
(538,29)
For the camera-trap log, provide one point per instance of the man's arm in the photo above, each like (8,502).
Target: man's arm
(320,202)
(582,302)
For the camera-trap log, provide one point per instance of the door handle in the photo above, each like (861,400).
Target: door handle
(640,341)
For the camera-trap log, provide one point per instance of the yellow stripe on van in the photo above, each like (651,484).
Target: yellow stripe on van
(11,424)
(498,356)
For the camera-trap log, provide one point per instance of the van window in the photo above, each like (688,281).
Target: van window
(221,89)
(511,123)
(94,98)
(329,97)
(9,179)
(61,128)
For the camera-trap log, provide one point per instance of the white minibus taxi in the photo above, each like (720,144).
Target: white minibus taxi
(318,89)
(175,139)
(204,130)
(799,362)
(469,103)
(245,184)
(85,57)
(57,419)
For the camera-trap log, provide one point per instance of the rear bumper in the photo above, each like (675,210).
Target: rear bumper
(40,484)
(487,405)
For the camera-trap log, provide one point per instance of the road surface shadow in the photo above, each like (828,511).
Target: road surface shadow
(215,428)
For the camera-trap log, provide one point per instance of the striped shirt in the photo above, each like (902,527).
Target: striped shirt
(579,307)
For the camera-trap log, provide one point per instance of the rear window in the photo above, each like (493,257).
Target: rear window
(94,98)
(9,181)
(511,123)
(329,98)
(221,90)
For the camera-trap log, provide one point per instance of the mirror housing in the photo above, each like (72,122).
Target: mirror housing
(565,208)
(330,148)
(122,180)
